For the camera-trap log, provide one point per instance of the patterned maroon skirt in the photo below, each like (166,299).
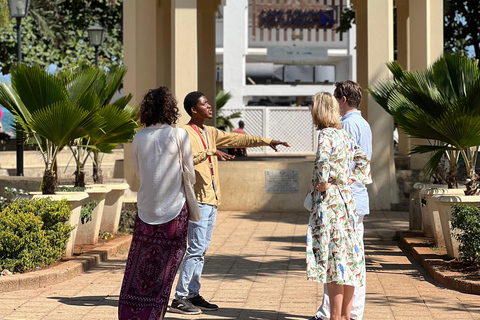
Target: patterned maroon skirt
(155,255)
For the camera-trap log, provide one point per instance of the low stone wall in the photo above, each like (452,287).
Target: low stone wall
(243,186)
(34,165)
(24,183)
(32,184)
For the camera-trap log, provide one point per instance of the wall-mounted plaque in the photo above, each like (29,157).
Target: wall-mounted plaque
(281,181)
(291,53)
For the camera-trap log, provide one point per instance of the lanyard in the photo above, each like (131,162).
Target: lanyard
(204,145)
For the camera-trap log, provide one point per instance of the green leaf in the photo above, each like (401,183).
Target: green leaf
(63,122)
(36,88)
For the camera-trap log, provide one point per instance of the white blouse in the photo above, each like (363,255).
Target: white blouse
(157,164)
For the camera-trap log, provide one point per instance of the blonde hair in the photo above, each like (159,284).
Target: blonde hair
(325,111)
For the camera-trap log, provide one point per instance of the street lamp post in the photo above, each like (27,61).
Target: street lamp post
(18,10)
(96,35)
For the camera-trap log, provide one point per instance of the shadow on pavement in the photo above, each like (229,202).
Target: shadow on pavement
(231,267)
(283,217)
(244,314)
(88,301)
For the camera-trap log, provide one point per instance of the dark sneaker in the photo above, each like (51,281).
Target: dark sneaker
(315,318)
(184,306)
(203,304)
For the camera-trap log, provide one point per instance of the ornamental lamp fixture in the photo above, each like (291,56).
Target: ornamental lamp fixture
(18,8)
(96,35)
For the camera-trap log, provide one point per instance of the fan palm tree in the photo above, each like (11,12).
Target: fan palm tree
(119,123)
(442,104)
(51,115)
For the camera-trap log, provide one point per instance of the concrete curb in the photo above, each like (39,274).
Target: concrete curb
(419,247)
(66,269)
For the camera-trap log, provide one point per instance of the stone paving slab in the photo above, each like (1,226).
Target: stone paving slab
(255,269)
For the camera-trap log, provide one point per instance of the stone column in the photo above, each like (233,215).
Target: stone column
(143,56)
(403,57)
(160,49)
(426,46)
(374,20)
(206,52)
(184,51)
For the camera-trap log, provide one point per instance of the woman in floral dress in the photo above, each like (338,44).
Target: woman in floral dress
(334,251)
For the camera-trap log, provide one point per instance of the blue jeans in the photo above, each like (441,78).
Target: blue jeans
(199,237)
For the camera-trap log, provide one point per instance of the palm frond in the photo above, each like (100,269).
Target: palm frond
(69,122)
(82,80)
(396,69)
(106,147)
(10,100)
(36,87)
(432,165)
(122,102)
(118,126)
(114,79)
(429,148)
(222,98)
(454,74)
(381,93)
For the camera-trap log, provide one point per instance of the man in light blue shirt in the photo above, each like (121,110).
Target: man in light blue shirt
(349,96)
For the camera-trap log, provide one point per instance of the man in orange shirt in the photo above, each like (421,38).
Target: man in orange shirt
(205,142)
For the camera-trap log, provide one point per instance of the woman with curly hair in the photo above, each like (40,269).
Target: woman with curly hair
(161,225)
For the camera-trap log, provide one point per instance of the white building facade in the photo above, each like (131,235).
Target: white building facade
(273,56)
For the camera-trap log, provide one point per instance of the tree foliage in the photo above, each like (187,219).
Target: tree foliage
(55,32)
(462,26)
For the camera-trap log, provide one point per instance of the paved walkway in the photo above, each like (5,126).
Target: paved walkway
(255,269)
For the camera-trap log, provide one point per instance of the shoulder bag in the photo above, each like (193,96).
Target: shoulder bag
(194,213)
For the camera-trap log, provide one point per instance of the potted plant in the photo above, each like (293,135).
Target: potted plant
(119,126)
(441,104)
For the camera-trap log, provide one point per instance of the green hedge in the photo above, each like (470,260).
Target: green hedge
(467,220)
(33,233)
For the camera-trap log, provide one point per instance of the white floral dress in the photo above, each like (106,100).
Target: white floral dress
(334,250)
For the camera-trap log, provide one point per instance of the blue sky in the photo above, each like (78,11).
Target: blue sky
(7,118)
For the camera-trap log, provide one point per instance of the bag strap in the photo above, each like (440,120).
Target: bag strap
(180,155)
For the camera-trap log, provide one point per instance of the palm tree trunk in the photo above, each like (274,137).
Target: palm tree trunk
(452,176)
(49,183)
(97,171)
(472,183)
(80,176)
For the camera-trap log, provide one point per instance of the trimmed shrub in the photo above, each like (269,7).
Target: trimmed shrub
(467,220)
(9,195)
(33,233)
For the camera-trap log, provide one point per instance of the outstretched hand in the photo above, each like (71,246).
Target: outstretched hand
(275,143)
(223,156)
